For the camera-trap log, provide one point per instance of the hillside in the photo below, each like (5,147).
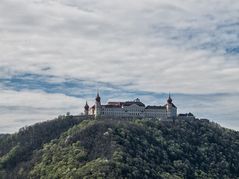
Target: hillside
(69,148)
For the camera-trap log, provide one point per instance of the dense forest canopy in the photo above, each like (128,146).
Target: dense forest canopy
(70,148)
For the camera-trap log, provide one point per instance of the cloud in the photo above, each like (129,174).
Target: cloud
(20,108)
(72,47)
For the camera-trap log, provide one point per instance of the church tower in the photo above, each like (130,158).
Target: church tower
(171,108)
(86,109)
(97,105)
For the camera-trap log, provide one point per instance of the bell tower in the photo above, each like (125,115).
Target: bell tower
(97,105)
(171,108)
(86,109)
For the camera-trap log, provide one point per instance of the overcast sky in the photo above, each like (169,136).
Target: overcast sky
(54,54)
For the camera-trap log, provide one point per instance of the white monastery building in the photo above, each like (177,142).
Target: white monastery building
(131,109)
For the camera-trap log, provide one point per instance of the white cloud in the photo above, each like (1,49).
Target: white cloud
(149,45)
(74,39)
(20,108)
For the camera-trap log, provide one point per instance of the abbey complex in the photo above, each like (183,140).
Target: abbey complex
(131,109)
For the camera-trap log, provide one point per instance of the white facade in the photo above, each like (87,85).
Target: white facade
(134,109)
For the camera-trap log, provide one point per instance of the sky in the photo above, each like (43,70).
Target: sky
(55,54)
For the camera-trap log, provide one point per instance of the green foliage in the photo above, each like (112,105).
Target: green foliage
(16,150)
(124,149)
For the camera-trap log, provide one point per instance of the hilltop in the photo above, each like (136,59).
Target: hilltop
(78,148)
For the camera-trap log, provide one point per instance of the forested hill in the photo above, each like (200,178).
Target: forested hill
(70,148)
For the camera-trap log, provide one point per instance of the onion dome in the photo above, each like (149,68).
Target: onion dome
(97,97)
(86,106)
(169,99)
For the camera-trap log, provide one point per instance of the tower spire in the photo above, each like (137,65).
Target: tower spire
(169,98)
(86,108)
(97,105)
(97,96)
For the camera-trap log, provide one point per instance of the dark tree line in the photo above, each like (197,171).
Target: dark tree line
(69,148)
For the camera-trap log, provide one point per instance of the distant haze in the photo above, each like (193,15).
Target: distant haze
(54,54)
